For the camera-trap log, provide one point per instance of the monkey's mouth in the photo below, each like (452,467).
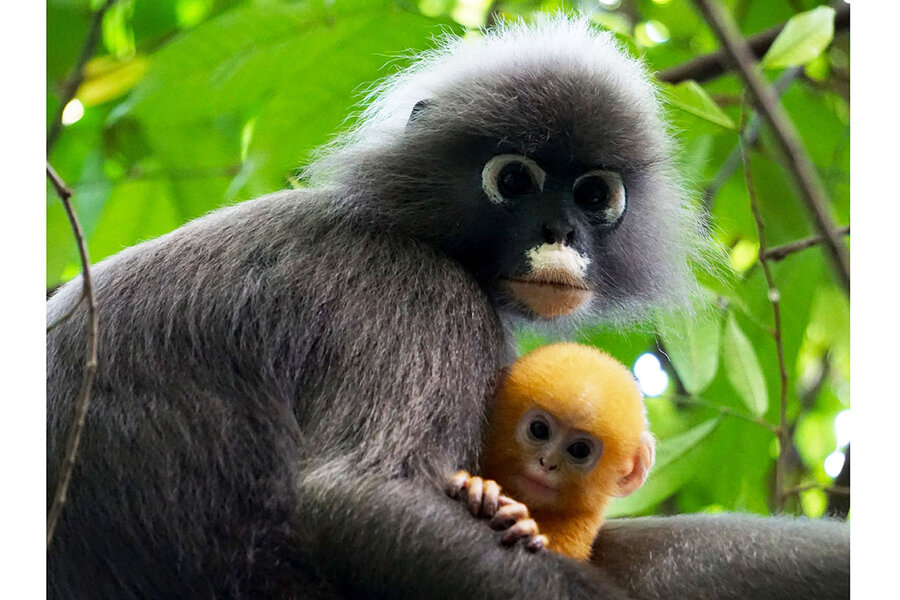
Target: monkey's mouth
(534,487)
(550,292)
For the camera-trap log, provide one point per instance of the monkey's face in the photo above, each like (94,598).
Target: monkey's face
(552,463)
(529,226)
(555,460)
(544,270)
(557,199)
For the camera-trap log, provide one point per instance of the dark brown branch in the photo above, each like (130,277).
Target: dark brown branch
(780,252)
(76,77)
(90,364)
(775,299)
(798,161)
(710,66)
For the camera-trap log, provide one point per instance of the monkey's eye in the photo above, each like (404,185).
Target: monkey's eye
(539,431)
(515,180)
(601,193)
(509,176)
(584,452)
(579,450)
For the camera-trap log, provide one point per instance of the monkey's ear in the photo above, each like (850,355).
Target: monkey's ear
(420,106)
(640,466)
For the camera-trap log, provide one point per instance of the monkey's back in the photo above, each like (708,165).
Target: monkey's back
(228,350)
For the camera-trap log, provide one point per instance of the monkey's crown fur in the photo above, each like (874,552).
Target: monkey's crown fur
(514,50)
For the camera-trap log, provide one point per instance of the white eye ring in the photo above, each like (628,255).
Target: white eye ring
(523,429)
(617,201)
(492,169)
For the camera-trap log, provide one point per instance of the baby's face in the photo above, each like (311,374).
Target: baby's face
(555,459)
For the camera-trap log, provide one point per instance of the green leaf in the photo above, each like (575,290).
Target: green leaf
(804,38)
(293,69)
(690,97)
(675,465)
(742,368)
(692,346)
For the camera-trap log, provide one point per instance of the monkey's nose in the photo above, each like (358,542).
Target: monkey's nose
(550,468)
(558,233)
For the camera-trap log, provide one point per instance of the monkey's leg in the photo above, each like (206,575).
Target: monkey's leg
(380,538)
(727,557)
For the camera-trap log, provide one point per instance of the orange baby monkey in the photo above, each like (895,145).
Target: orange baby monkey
(567,432)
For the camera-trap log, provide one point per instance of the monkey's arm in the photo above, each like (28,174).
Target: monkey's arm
(727,556)
(406,539)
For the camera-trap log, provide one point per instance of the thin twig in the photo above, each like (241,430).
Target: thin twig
(90,364)
(780,252)
(728,411)
(798,161)
(775,299)
(709,66)
(70,86)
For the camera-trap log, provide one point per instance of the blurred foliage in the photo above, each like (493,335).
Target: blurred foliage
(190,105)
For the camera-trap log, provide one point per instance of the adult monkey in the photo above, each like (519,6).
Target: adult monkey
(285,385)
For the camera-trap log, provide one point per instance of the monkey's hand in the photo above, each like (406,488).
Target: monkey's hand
(483,498)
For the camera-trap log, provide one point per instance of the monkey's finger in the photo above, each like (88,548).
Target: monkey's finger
(521,530)
(476,486)
(490,502)
(504,500)
(507,515)
(537,543)
(457,483)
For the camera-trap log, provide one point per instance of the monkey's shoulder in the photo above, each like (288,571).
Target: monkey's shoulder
(295,252)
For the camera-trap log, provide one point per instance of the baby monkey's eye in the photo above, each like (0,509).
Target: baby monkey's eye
(601,193)
(584,452)
(538,430)
(579,450)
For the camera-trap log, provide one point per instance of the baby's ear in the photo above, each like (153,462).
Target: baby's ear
(640,466)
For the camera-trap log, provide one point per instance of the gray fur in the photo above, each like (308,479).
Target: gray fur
(727,557)
(285,385)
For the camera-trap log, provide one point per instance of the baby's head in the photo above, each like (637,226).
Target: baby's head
(567,430)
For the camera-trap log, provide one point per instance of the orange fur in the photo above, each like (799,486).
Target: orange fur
(583,389)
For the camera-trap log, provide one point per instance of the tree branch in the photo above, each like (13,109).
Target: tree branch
(90,363)
(780,252)
(775,299)
(76,77)
(798,161)
(710,66)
